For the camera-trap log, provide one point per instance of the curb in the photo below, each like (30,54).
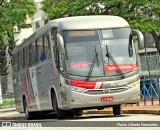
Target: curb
(7,111)
(12,118)
(155,112)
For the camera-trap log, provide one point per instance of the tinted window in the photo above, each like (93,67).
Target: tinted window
(15,62)
(39,49)
(83,50)
(26,56)
(54,40)
(32,53)
(47,48)
(21,60)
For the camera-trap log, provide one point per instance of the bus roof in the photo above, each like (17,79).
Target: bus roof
(90,22)
(78,23)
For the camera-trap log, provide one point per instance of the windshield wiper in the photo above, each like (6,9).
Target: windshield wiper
(92,65)
(114,62)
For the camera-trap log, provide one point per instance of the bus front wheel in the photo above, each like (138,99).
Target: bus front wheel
(117,110)
(59,112)
(79,112)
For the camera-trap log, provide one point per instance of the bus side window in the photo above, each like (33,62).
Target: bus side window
(15,62)
(39,53)
(59,59)
(47,48)
(20,58)
(32,53)
(54,40)
(26,56)
(61,62)
(23,63)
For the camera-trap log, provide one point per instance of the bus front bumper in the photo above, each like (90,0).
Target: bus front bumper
(82,100)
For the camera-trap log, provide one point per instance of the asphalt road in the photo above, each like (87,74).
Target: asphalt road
(105,117)
(95,122)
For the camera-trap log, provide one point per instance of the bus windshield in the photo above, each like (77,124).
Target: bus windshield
(85,47)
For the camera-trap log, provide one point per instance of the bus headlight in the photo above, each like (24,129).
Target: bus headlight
(135,84)
(77,89)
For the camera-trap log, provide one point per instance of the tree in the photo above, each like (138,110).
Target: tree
(1,1)
(12,13)
(141,14)
(3,65)
(3,56)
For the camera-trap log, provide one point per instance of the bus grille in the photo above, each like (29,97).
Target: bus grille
(115,90)
(98,91)
(101,91)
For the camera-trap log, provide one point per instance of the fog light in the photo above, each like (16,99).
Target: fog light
(72,100)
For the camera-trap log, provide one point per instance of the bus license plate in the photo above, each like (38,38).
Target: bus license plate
(106,99)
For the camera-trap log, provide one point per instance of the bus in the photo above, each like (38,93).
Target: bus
(77,63)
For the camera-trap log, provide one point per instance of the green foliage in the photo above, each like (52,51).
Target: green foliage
(3,66)
(4,82)
(8,100)
(12,13)
(141,14)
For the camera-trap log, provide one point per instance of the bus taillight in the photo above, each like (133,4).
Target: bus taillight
(83,84)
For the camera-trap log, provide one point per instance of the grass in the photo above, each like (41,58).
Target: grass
(7,102)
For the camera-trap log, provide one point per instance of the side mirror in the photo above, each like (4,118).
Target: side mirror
(140,38)
(60,44)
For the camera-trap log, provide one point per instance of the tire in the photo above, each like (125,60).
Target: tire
(28,114)
(117,110)
(79,112)
(70,113)
(61,114)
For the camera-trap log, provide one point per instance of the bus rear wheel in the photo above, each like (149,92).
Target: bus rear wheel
(61,114)
(28,114)
(117,110)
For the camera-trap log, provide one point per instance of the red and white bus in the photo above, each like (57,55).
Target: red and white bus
(77,63)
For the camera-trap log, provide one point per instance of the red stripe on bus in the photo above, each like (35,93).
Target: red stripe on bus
(26,92)
(101,86)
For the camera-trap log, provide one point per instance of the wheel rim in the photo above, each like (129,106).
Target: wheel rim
(54,103)
(26,110)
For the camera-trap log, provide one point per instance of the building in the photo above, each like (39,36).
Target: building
(39,17)
(149,58)
(36,22)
